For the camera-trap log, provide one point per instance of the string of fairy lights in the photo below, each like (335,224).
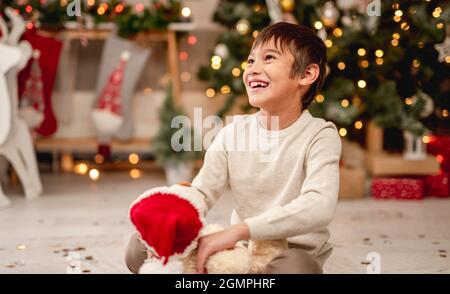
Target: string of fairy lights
(91,170)
(379,61)
(129,18)
(335,27)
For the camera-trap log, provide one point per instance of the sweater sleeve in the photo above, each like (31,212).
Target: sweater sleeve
(212,179)
(314,208)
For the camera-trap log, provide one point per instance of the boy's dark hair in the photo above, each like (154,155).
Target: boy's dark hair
(306,47)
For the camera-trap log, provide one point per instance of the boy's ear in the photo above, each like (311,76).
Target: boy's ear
(310,75)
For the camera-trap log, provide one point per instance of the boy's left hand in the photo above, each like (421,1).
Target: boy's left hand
(222,240)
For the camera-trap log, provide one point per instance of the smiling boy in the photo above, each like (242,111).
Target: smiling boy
(294,195)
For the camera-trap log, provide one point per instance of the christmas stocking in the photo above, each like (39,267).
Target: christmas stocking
(108,114)
(119,73)
(50,50)
(31,108)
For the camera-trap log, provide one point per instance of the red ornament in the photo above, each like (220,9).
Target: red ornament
(192,40)
(183,55)
(119,8)
(139,7)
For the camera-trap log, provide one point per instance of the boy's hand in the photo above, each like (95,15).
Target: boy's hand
(225,239)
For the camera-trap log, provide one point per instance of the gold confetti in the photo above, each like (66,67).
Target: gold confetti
(21,247)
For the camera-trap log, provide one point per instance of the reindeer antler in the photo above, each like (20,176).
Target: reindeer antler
(4,30)
(18,26)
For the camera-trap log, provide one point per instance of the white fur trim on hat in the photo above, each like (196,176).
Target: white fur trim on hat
(156,266)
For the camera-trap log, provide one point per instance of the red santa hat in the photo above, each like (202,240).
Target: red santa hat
(169,220)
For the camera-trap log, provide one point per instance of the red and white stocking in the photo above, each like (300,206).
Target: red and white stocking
(31,108)
(108,112)
(48,61)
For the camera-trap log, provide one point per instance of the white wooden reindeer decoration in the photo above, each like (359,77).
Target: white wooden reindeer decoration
(15,139)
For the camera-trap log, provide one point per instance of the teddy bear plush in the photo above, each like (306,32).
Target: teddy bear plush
(263,252)
(170,220)
(233,261)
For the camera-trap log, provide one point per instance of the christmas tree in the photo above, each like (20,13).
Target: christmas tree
(388,60)
(162,143)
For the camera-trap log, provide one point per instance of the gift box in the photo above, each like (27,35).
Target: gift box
(397,188)
(385,165)
(437,185)
(352,182)
(439,146)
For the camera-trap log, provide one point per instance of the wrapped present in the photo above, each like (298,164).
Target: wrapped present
(439,146)
(437,185)
(352,182)
(397,188)
(352,155)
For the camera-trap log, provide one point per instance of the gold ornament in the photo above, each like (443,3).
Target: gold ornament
(287,5)
(243,26)
(330,14)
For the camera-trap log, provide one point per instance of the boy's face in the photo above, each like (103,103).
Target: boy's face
(267,78)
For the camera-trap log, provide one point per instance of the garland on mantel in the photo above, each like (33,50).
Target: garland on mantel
(129,19)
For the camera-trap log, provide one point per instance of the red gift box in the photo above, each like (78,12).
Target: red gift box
(440,146)
(437,185)
(397,188)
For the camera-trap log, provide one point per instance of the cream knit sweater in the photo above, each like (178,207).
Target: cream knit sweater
(292,194)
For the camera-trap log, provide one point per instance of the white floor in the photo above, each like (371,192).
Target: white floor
(76,214)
